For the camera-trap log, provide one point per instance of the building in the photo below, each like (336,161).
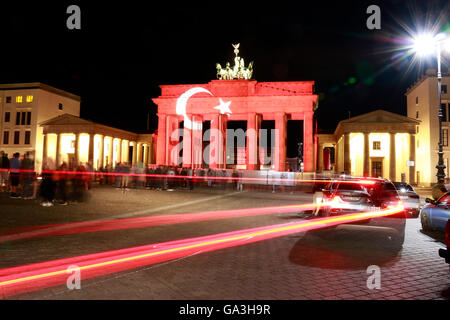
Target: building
(22,107)
(422,104)
(185,111)
(376,144)
(190,107)
(44,120)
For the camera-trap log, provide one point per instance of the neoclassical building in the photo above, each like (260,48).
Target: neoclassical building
(23,106)
(68,138)
(377,144)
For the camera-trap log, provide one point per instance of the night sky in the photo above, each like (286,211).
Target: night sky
(125,49)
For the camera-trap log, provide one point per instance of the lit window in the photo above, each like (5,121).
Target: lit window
(29,98)
(19,99)
(27,137)
(377,145)
(6,137)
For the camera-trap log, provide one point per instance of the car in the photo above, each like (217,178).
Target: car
(435,213)
(409,197)
(445,253)
(356,195)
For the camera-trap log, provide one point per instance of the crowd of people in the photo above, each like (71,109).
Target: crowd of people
(67,183)
(71,183)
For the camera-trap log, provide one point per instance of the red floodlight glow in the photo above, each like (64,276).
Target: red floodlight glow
(37,276)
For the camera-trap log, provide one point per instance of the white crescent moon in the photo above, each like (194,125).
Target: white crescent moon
(181,107)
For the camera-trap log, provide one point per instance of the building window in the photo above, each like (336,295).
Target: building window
(27,137)
(28,118)
(444,88)
(60,106)
(6,137)
(417,131)
(417,114)
(29,99)
(7,116)
(23,118)
(8,99)
(19,99)
(444,111)
(417,100)
(17,118)
(16,137)
(445,137)
(376,145)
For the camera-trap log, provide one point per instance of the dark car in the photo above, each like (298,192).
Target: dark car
(445,253)
(348,196)
(409,197)
(435,213)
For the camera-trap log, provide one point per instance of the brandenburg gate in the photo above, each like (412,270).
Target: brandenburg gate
(234,96)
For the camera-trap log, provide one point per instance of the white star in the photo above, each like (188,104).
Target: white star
(223,107)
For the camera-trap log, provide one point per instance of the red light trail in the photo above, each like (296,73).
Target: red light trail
(141,222)
(37,276)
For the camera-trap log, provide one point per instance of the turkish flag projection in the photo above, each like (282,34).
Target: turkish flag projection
(37,276)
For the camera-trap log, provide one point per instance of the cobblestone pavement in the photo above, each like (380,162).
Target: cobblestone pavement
(299,266)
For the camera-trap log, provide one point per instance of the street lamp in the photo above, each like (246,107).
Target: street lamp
(427,44)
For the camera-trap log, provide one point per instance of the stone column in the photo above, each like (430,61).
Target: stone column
(253,125)
(58,150)
(336,157)
(102,151)
(197,142)
(412,157)
(110,152)
(45,151)
(187,144)
(173,138)
(214,138)
(91,149)
(347,164)
(392,160)
(134,158)
(161,143)
(77,151)
(321,158)
(366,158)
(308,146)
(119,151)
(280,142)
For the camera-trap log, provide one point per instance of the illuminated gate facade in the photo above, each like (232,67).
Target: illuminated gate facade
(183,109)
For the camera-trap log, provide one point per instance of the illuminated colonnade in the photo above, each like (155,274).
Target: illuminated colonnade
(74,140)
(378,143)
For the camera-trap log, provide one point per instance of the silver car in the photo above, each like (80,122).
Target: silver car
(409,197)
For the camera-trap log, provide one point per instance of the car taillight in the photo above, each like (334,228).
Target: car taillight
(447,234)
